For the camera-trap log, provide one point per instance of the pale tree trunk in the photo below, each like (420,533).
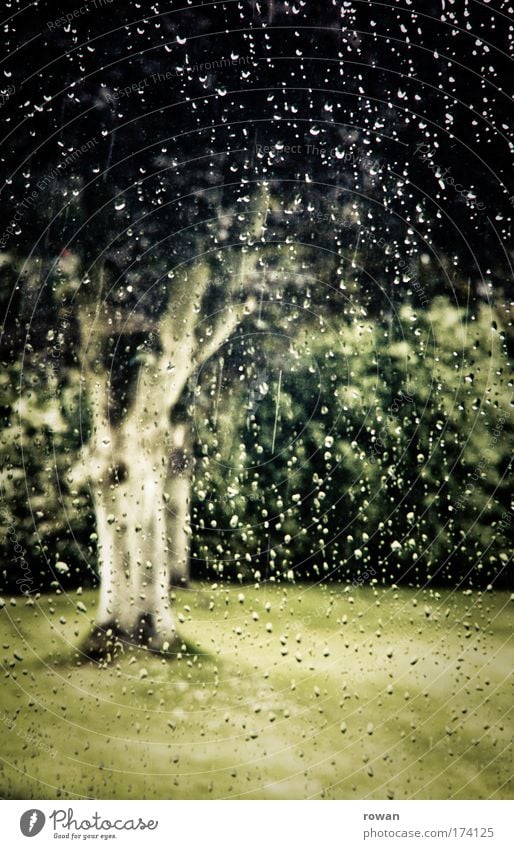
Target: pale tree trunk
(129,467)
(139,466)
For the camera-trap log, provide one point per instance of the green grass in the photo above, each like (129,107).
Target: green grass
(420,681)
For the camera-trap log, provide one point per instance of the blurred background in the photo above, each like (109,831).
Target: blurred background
(309,205)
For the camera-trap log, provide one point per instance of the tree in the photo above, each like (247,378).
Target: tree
(138,458)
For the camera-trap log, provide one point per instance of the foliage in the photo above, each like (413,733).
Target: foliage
(393,456)
(387,454)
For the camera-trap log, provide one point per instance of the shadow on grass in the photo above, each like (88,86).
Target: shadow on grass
(113,650)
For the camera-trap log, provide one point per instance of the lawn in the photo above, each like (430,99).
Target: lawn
(283,692)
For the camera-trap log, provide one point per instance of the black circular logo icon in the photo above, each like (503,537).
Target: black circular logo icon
(31,822)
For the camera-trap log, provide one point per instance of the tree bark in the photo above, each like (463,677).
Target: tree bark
(134,558)
(128,468)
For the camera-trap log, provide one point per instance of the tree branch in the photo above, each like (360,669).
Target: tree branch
(223,330)
(184,307)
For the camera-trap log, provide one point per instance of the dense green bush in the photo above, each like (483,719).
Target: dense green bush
(40,511)
(398,470)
